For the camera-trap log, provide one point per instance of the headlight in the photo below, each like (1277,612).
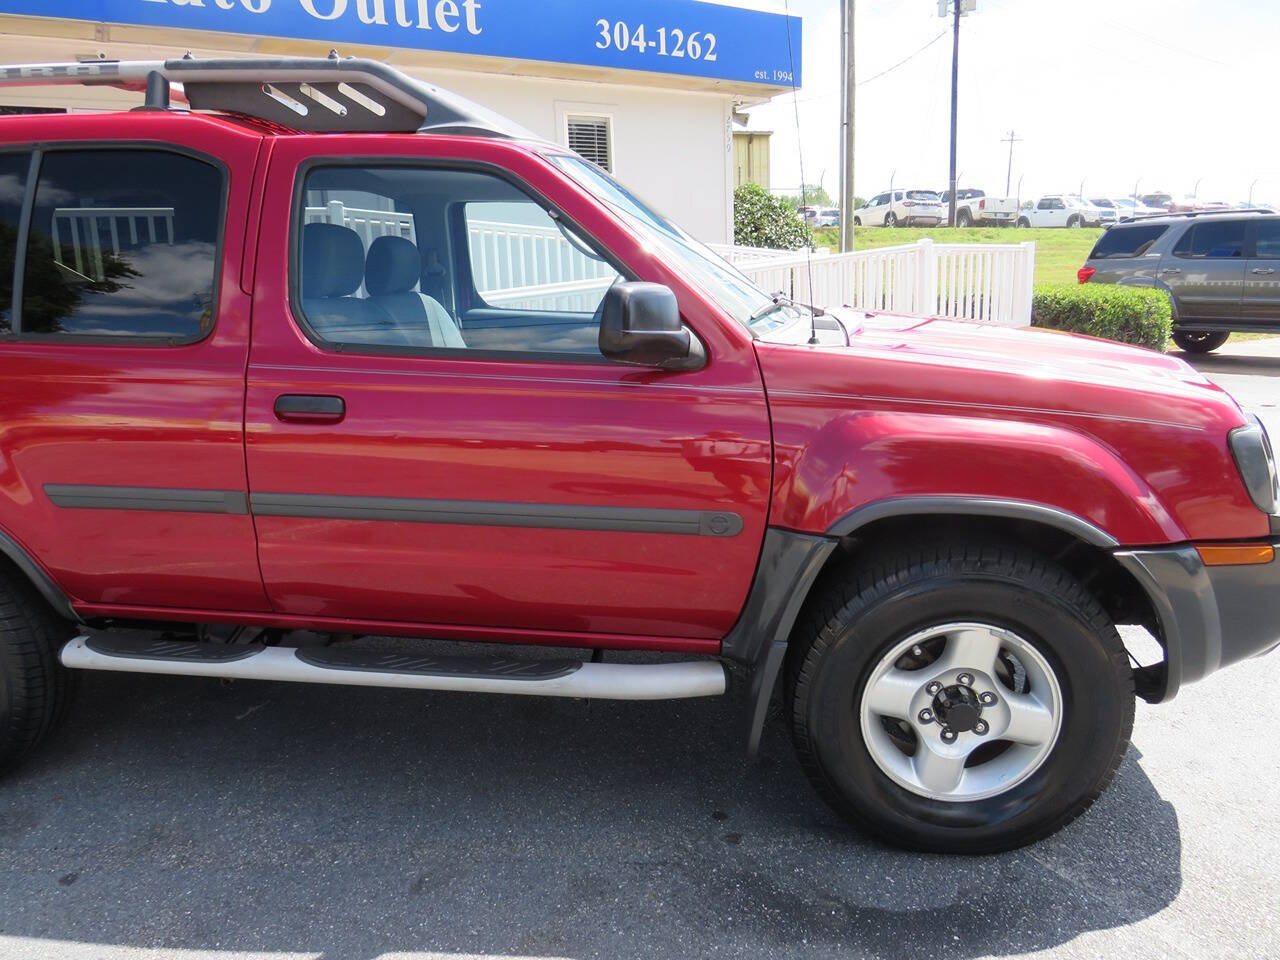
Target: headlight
(1251,448)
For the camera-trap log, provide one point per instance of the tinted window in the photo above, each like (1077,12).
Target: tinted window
(1267,240)
(922,195)
(1127,241)
(123,243)
(1218,241)
(13,179)
(879,199)
(400,257)
(1045,204)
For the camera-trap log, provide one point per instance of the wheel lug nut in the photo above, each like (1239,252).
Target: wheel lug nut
(948,735)
(987,699)
(980,728)
(933,687)
(965,680)
(926,716)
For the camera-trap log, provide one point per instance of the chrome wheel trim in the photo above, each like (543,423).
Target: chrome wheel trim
(1030,721)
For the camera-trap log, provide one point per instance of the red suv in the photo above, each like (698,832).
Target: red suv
(335,353)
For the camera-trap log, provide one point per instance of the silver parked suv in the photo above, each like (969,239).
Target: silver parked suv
(1222,270)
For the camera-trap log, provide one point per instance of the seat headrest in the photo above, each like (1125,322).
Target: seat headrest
(393,266)
(332,260)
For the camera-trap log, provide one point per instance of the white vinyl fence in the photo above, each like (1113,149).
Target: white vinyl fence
(517,265)
(528,267)
(81,234)
(972,281)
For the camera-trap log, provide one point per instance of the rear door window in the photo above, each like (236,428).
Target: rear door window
(1266,241)
(1220,240)
(123,243)
(1121,242)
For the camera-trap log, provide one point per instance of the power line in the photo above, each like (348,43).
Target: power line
(904,60)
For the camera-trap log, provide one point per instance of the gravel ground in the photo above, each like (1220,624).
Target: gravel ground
(182,819)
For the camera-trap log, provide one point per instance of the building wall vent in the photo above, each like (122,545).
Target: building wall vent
(591,138)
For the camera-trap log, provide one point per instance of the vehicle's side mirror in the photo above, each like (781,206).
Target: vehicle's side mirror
(640,324)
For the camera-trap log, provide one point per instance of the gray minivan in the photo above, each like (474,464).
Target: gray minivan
(1222,270)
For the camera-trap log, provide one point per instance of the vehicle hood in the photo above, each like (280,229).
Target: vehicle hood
(967,363)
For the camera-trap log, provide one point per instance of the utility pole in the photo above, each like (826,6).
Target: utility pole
(1011,139)
(955,93)
(847,91)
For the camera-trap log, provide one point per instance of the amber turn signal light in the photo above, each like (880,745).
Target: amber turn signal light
(1235,554)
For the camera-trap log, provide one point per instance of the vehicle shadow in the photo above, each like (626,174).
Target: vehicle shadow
(1255,365)
(352,823)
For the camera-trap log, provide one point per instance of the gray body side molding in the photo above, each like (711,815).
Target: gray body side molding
(51,592)
(974,507)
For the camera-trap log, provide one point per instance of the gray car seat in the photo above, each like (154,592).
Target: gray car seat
(333,264)
(392,271)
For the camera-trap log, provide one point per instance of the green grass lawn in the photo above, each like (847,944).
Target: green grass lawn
(1059,253)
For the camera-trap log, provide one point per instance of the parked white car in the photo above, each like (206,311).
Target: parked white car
(911,208)
(975,207)
(1133,207)
(1108,209)
(1061,210)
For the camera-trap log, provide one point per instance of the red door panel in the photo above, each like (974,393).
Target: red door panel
(429,501)
(88,424)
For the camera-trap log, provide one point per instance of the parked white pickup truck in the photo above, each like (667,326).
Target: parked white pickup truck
(1060,210)
(975,207)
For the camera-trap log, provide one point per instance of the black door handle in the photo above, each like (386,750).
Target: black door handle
(307,408)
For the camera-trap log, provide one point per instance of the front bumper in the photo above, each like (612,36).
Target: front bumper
(1209,617)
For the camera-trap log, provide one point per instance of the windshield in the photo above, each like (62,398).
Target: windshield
(720,281)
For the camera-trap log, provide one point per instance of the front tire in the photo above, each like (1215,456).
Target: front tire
(1199,342)
(35,689)
(857,221)
(1075,223)
(958,698)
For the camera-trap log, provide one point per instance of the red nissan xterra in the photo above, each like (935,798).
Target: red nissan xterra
(315,348)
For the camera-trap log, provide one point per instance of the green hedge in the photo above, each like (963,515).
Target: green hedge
(1136,315)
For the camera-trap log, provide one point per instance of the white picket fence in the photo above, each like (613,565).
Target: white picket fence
(991,283)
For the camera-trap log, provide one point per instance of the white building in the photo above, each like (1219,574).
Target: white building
(647,88)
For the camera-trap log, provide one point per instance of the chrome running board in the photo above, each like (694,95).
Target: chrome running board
(365,668)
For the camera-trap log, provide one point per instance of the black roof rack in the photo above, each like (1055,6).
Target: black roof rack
(1219,212)
(313,94)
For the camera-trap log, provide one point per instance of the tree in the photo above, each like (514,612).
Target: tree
(763,220)
(811,195)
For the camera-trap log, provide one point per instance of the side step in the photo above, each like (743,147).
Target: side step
(365,668)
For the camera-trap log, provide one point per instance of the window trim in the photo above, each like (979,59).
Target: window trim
(297,216)
(38,150)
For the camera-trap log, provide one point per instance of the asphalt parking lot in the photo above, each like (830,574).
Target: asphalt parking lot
(184,819)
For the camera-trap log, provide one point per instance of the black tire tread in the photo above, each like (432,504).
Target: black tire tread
(41,689)
(859,584)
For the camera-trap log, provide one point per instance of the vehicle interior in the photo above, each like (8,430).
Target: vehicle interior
(436,258)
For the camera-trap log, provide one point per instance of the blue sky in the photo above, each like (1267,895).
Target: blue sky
(1170,92)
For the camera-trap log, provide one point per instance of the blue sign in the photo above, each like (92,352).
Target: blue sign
(684,37)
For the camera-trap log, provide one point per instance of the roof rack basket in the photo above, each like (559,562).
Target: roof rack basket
(313,94)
